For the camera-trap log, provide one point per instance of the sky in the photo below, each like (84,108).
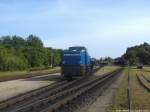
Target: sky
(105,27)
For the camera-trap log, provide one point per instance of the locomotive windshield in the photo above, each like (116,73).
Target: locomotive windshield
(71,59)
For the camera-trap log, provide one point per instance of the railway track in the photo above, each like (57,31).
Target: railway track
(35,95)
(143,82)
(21,98)
(60,98)
(56,95)
(148,80)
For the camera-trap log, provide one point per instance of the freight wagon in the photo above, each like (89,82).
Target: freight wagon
(76,62)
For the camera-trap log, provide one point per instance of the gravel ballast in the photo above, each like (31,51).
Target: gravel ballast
(13,88)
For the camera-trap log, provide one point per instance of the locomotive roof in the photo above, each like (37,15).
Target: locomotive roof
(77,48)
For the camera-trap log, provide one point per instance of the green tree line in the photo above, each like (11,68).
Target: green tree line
(17,53)
(138,54)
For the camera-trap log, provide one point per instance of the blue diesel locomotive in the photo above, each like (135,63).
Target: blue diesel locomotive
(76,62)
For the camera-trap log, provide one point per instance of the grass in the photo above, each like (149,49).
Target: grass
(107,69)
(13,73)
(120,98)
(146,69)
(140,96)
(143,81)
(146,72)
(20,74)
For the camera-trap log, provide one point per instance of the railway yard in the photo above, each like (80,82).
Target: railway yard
(75,56)
(140,91)
(105,90)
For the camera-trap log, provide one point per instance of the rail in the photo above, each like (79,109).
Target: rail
(61,98)
(142,83)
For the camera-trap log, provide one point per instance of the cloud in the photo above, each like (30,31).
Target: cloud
(104,27)
(111,41)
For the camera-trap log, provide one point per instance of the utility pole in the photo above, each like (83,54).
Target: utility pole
(129,90)
(52,58)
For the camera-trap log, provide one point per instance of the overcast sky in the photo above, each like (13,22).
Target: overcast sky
(105,27)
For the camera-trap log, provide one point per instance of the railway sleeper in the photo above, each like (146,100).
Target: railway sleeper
(73,96)
(55,96)
(142,83)
(49,99)
(28,95)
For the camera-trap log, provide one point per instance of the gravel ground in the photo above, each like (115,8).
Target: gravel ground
(105,99)
(13,88)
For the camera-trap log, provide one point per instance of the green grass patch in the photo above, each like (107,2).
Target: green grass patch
(120,97)
(146,69)
(140,96)
(107,69)
(9,75)
(13,73)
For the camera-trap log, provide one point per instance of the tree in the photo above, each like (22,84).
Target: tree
(6,40)
(9,61)
(57,54)
(48,56)
(138,54)
(17,53)
(34,41)
(18,43)
(35,56)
